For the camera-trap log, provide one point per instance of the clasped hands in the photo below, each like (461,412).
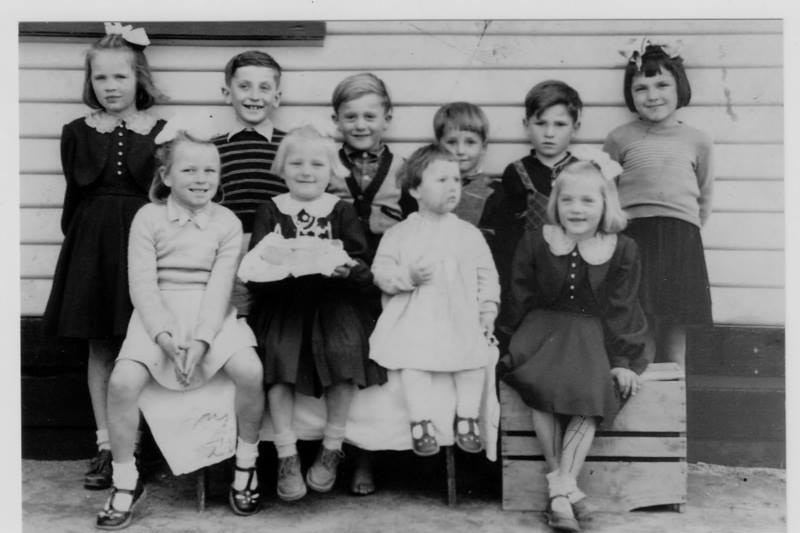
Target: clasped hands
(185,356)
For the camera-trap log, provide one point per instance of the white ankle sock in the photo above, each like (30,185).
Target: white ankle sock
(246,455)
(285,444)
(333,437)
(102,439)
(125,477)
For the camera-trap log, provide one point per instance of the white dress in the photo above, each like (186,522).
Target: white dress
(434,326)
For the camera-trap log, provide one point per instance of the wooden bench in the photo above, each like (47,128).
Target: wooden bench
(639,462)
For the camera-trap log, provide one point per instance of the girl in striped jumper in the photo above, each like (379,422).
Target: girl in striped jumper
(665,189)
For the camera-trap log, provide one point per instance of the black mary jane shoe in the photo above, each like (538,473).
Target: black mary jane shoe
(425,445)
(470,441)
(111,518)
(245,502)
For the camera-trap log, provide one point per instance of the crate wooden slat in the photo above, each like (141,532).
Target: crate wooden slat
(639,461)
(605,446)
(612,485)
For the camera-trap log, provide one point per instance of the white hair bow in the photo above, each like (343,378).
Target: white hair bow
(609,168)
(199,128)
(133,35)
(633,54)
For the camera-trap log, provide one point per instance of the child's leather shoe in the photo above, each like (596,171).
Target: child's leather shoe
(322,474)
(422,439)
(468,435)
(291,486)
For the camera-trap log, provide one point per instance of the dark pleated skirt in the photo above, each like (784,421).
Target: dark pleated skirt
(313,337)
(674,276)
(557,362)
(90,297)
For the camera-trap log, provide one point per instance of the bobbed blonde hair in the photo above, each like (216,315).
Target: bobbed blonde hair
(309,134)
(614,218)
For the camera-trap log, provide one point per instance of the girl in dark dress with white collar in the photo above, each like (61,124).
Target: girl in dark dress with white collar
(108,158)
(577,326)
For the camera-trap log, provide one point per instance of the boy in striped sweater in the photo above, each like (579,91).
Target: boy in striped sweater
(252,88)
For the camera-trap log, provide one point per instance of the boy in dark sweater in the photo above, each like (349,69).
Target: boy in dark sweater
(552,119)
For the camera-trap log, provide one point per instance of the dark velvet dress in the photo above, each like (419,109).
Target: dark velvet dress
(573,321)
(313,331)
(108,176)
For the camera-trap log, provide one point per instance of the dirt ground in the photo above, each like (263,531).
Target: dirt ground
(720,499)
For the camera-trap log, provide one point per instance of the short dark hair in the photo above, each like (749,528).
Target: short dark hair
(654,60)
(409,176)
(358,85)
(147,95)
(548,93)
(460,116)
(251,58)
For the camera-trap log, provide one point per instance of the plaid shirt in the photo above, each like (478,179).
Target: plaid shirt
(365,164)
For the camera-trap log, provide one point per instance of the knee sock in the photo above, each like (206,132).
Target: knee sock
(102,440)
(333,437)
(286,444)
(125,477)
(246,454)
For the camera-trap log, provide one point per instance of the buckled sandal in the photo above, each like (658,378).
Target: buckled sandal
(111,518)
(98,477)
(245,502)
(469,441)
(422,439)
(558,520)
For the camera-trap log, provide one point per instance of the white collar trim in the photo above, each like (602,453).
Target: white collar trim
(319,207)
(595,250)
(140,122)
(264,129)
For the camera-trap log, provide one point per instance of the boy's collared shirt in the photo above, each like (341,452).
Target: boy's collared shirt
(364,163)
(265,129)
(246,154)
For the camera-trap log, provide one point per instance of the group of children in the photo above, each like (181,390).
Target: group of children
(442,257)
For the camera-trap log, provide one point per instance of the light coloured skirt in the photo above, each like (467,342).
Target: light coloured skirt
(233,336)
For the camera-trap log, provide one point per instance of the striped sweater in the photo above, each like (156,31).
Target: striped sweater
(667,170)
(246,180)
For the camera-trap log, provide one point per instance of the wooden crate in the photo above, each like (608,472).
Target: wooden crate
(638,462)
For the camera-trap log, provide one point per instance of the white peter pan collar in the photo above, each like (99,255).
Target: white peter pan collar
(319,207)
(595,250)
(139,122)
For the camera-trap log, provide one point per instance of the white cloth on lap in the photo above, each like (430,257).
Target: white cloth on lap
(195,428)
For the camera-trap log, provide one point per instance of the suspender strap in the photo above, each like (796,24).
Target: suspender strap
(362,199)
(536,212)
(524,176)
